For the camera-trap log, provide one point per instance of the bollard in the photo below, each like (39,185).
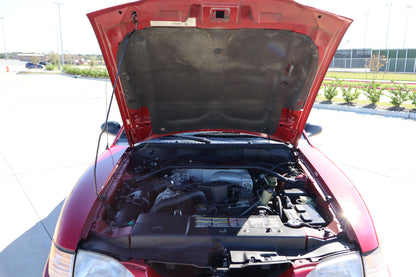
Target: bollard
(7,68)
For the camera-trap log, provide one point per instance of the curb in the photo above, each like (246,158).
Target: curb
(405,115)
(37,72)
(85,77)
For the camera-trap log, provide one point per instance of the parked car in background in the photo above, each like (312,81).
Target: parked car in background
(211,172)
(33,65)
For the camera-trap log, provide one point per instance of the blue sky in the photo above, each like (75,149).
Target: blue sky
(33,25)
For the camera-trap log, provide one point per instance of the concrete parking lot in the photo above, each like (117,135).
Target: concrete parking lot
(378,154)
(50,126)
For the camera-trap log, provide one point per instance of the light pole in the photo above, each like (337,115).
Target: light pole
(387,35)
(4,40)
(365,31)
(57,47)
(407,21)
(405,36)
(60,31)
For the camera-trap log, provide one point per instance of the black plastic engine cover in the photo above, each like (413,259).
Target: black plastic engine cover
(254,232)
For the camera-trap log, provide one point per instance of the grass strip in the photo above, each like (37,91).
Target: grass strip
(372,76)
(360,84)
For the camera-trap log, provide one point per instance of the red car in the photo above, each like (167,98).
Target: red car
(212,173)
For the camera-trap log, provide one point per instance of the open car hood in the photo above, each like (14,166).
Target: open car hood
(246,66)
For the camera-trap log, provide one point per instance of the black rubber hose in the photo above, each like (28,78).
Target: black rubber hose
(192,195)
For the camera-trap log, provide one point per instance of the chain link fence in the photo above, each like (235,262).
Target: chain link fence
(384,60)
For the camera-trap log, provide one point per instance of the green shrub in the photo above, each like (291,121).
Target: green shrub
(350,93)
(412,97)
(330,90)
(399,94)
(373,91)
(87,72)
(50,67)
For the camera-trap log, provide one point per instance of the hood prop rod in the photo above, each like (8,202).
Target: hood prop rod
(133,16)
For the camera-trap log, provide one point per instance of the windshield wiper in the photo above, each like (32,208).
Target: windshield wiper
(192,137)
(224,135)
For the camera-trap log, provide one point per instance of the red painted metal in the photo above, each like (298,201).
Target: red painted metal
(140,269)
(325,29)
(78,205)
(113,24)
(346,195)
(300,268)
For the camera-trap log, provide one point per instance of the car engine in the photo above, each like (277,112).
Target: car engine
(229,205)
(214,193)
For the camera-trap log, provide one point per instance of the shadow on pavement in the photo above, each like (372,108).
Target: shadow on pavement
(26,256)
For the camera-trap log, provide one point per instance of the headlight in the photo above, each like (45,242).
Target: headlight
(341,266)
(375,265)
(89,264)
(60,263)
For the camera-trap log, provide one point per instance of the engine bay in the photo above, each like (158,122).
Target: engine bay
(217,193)
(215,189)
(222,202)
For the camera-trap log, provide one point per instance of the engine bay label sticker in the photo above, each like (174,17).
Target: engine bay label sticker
(235,222)
(190,22)
(219,222)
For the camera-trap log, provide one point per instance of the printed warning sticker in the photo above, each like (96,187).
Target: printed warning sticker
(253,222)
(190,22)
(219,222)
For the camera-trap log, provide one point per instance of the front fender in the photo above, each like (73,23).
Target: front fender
(346,195)
(77,206)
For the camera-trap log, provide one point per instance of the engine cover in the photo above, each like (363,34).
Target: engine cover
(257,232)
(239,177)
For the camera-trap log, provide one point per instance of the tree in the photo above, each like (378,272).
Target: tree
(69,59)
(93,61)
(52,58)
(375,62)
(35,59)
